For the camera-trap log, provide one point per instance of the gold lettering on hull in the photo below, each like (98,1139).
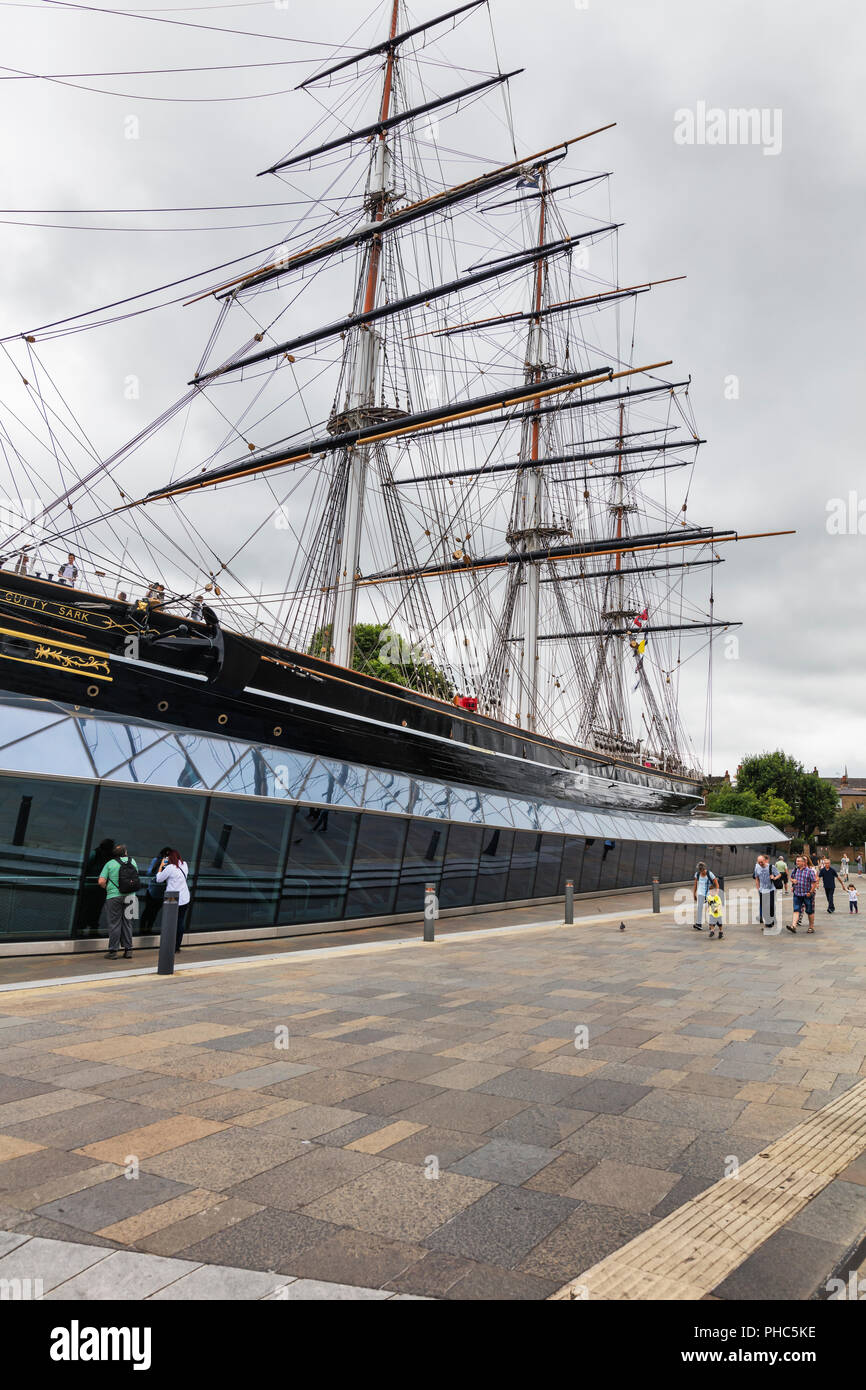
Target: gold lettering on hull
(102,622)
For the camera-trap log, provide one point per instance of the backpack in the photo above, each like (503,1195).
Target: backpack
(128,880)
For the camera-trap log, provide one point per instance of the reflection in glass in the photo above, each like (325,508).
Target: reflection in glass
(317,869)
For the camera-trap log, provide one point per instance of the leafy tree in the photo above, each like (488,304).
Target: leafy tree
(815,803)
(848,828)
(771,772)
(379,651)
(810,799)
(774,809)
(734,802)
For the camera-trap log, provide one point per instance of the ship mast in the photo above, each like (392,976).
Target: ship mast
(531,537)
(362,396)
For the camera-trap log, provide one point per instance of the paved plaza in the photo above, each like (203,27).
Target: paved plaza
(478,1118)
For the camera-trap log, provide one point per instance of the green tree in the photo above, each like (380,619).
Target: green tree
(815,804)
(771,772)
(732,802)
(811,800)
(775,810)
(379,651)
(848,828)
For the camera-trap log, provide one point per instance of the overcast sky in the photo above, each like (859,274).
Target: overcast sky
(772,244)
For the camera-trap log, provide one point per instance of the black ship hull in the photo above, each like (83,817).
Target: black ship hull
(79,648)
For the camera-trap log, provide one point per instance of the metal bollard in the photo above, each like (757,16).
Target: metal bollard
(657,904)
(431,911)
(167,934)
(569,901)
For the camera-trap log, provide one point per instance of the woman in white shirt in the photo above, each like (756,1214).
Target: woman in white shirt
(174,873)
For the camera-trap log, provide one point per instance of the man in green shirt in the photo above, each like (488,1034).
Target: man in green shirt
(114,919)
(782,872)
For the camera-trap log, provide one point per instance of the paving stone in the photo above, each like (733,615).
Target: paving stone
(586,1236)
(686,1188)
(541,1088)
(504,1160)
(501,1227)
(360,1259)
(85,1124)
(294,1184)
(790,1265)
(394,1097)
(315,1290)
(34,1168)
(329,1087)
(223,1159)
(270,1238)
(399,1201)
(220,1282)
(491,1283)
(96,1207)
(632,1141)
(837,1214)
(855,1172)
(16,1088)
(446,1145)
(403,1066)
(689,1111)
(542,1125)
(610,1097)
(122,1275)
(310,1122)
(624,1185)
(708,1156)
(167,1240)
(468,1111)
(52,1261)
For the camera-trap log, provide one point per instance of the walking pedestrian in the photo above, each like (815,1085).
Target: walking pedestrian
(174,874)
(828,877)
(852,899)
(766,891)
(155,892)
(860,864)
(803,882)
(704,880)
(782,871)
(843,864)
(120,880)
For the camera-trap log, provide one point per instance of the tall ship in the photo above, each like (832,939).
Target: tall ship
(420,513)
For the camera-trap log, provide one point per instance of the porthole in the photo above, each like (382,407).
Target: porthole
(93,690)
(162,706)
(222,719)
(278,730)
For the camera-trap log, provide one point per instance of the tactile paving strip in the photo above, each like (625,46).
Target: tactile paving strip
(690,1252)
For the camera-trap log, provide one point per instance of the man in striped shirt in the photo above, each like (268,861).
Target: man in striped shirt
(804,881)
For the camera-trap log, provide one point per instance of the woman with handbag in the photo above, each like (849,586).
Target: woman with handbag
(174,873)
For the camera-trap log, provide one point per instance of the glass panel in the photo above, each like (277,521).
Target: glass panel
(336,784)
(668,862)
(625,874)
(290,771)
(111,743)
(57,750)
(644,855)
(387,791)
(376,866)
(165,765)
(548,878)
(591,867)
(43,828)
(146,821)
(212,757)
(317,869)
(422,863)
(241,868)
(493,865)
(461,865)
(524,860)
(250,777)
(610,857)
(572,862)
(18,722)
